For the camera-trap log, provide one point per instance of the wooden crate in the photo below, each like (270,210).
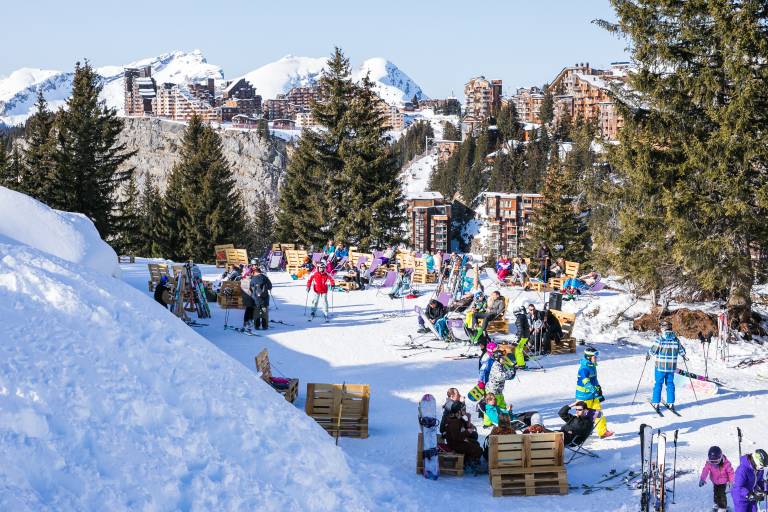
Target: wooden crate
(231,300)
(343,411)
(451,463)
(220,254)
(263,366)
(236,257)
(288,247)
(571,269)
(156,271)
(568,342)
(500,325)
(527,464)
(419,271)
(294,259)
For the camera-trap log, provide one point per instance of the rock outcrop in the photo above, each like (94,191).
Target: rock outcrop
(257,164)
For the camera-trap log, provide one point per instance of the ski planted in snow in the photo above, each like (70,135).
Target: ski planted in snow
(646,449)
(661,466)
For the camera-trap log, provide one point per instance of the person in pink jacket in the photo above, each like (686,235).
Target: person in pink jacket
(719,469)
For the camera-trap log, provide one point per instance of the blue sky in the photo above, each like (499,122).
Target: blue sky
(440,44)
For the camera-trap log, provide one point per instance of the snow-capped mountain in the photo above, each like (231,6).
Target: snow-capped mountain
(19,90)
(278,77)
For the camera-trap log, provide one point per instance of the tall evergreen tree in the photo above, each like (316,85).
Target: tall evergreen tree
(150,212)
(692,168)
(38,168)
(89,160)
(5,180)
(128,230)
(10,172)
(547,112)
(508,123)
(262,228)
(450,131)
(557,222)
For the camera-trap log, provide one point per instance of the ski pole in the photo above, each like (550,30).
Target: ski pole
(639,381)
(685,362)
(674,468)
(738,433)
(306,299)
(274,301)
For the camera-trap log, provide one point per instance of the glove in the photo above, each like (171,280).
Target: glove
(759,495)
(481,384)
(599,390)
(601,399)
(701,483)
(751,497)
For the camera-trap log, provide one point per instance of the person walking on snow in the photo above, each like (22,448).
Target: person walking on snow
(748,483)
(493,375)
(665,349)
(318,281)
(260,286)
(718,468)
(588,388)
(523,333)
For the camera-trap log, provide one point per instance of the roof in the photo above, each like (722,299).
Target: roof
(504,195)
(425,195)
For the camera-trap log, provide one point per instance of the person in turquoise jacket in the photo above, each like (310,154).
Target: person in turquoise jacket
(589,390)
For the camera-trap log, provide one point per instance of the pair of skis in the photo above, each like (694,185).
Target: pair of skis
(669,407)
(654,480)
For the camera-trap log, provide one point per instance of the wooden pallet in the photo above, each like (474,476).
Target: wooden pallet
(126,259)
(220,254)
(420,273)
(236,257)
(263,366)
(233,300)
(157,271)
(500,325)
(568,343)
(341,409)
(451,463)
(294,260)
(527,464)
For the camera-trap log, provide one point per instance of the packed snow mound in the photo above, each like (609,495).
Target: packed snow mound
(70,236)
(109,402)
(18,92)
(279,77)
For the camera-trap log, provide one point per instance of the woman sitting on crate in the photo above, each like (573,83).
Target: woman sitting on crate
(461,436)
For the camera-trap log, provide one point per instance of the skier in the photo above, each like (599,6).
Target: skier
(260,287)
(503,267)
(493,376)
(665,349)
(523,333)
(719,469)
(544,256)
(402,286)
(748,483)
(589,390)
(160,290)
(318,281)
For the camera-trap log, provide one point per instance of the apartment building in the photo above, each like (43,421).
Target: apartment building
(180,104)
(506,221)
(139,91)
(446,148)
(482,98)
(429,222)
(527,102)
(300,98)
(278,108)
(239,98)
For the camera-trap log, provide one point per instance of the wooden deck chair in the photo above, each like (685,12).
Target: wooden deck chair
(577,448)
(362,260)
(389,280)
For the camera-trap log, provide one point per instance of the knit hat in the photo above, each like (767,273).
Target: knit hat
(491,347)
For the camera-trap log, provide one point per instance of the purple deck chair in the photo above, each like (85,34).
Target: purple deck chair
(388,282)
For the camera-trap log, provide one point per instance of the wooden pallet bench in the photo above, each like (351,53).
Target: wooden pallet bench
(451,463)
(568,343)
(341,409)
(527,464)
(157,271)
(294,259)
(289,390)
(500,325)
(229,296)
(126,259)
(220,254)
(236,257)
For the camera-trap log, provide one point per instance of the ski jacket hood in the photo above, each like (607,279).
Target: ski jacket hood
(745,481)
(719,473)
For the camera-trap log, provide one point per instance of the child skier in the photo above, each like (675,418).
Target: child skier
(588,388)
(718,468)
(748,482)
(318,281)
(493,375)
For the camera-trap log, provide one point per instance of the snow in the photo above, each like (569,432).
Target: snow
(70,236)
(21,79)
(415,177)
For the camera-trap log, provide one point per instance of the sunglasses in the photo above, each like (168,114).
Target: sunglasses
(579,410)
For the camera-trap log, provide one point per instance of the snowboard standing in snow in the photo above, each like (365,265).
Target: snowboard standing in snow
(428,422)
(646,449)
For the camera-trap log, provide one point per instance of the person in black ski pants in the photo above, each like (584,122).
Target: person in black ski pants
(260,287)
(161,288)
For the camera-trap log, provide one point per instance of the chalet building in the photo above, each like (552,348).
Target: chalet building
(139,91)
(239,98)
(506,221)
(429,222)
(300,98)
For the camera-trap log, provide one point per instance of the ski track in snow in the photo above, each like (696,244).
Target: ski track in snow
(359,346)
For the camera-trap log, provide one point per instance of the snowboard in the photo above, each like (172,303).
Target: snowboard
(701,387)
(428,422)
(475,394)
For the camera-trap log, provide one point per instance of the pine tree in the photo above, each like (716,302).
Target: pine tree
(262,228)
(39,152)
(557,222)
(508,123)
(88,169)
(10,172)
(691,183)
(128,230)
(150,213)
(547,112)
(5,179)
(167,234)
(450,131)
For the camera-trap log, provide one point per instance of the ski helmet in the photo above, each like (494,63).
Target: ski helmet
(490,347)
(715,455)
(254,261)
(591,351)
(760,458)
(163,279)
(479,295)
(665,325)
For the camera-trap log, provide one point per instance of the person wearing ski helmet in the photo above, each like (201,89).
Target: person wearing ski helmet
(719,469)
(318,282)
(666,349)
(162,292)
(588,388)
(493,375)
(748,483)
(523,333)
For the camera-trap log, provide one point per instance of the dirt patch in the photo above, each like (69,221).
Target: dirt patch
(687,323)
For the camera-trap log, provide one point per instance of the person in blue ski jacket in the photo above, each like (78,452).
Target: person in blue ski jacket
(748,484)
(588,388)
(665,350)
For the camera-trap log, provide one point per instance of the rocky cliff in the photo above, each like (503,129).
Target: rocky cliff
(258,164)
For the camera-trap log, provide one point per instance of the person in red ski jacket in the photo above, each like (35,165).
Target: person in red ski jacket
(318,281)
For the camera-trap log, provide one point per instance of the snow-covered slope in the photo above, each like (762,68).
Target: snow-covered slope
(278,77)
(109,402)
(19,90)
(70,236)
